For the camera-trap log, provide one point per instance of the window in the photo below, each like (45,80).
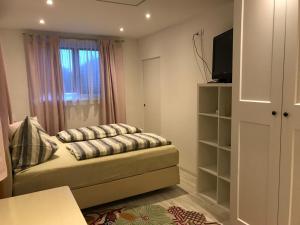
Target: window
(80,70)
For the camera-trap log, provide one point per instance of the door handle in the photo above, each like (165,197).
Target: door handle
(274,113)
(285,114)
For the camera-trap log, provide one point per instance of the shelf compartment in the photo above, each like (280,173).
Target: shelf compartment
(207,160)
(211,169)
(210,194)
(207,185)
(224,193)
(208,100)
(225,100)
(224,164)
(209,129)
(225,133)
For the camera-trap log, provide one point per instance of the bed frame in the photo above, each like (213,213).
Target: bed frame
(119,189)
(111,191)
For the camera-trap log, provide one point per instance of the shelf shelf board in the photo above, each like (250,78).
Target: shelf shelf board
(226,148)
(210,194)
(225,177)
(225,117)
(214,115)
(211,169)
(213,143)
(215,84)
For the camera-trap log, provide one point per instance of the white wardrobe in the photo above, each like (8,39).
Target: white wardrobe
(265,188)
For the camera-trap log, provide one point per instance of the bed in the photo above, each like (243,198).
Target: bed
(103,179)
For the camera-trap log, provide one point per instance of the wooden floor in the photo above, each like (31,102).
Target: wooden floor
(173,196)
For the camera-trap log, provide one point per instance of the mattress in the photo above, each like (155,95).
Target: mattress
(64,170)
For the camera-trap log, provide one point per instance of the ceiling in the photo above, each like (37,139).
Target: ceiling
(125,2)
(98,17)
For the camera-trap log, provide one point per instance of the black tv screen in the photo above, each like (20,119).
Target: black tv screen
(222,57)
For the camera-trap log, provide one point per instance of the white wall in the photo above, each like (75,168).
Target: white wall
(77,116)
(133,84)
(179,77)
(180,74)
(14,60)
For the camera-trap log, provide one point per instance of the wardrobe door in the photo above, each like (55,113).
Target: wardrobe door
(259,32)
(289,207)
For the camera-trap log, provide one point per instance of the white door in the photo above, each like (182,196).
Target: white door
(289,207)
(259,32)
(152,95)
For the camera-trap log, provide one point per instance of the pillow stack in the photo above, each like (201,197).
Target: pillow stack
(30,145)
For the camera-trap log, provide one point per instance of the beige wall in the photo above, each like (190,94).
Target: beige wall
(77,116)
(180,74)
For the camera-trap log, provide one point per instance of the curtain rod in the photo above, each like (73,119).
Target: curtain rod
(70,36)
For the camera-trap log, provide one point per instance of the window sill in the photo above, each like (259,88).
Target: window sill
(81,102)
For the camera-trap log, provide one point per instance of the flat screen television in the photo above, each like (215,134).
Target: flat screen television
(222,57)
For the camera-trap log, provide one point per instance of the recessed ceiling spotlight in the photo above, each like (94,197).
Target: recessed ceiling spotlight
(42,21)
(122,29)
(49,2)
(148,16)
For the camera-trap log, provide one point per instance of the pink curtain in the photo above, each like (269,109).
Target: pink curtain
(5,119)
(3,167)
(45,82)
(112,102)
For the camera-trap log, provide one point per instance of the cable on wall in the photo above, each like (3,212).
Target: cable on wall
(200,67)
(201,54)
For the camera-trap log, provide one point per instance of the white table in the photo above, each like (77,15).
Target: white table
(50,207)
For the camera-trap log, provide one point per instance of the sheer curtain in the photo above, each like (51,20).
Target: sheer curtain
(80,70)
(112,108)
(46,96)
(5,119)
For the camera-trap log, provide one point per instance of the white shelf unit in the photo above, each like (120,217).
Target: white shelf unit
(214,142)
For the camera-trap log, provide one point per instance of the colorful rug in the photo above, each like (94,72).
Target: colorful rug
(146,215)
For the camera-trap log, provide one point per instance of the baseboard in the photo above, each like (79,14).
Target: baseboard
(188,181)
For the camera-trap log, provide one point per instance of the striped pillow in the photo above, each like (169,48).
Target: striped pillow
(96,132)
(31,145)
(14,127)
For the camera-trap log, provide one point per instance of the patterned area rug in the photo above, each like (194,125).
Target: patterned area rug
(146,215)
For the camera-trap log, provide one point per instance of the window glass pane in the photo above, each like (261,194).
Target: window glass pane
(66,58)
(89,72)
(81,73)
